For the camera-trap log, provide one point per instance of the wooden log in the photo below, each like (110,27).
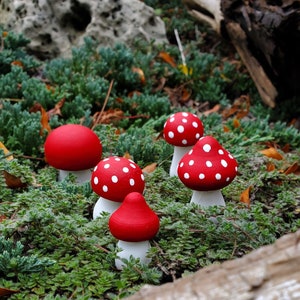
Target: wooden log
(266,34)
(270,272)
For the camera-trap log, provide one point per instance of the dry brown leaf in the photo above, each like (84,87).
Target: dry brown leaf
(215,109)
(57,108)
(6,152)
(127,155)
(12,181)
(44,122)
(293,169)
(240,108)
(108,116)
(226,128)
(141,74)
(270,167)
(245,196)
(272,153)
(7,292)
(166,57)
(17,63)
(150,168)
(236,123)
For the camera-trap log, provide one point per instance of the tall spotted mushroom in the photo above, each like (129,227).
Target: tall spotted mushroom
(134,223)
(182,130)
(206,169)
(73,148)
(112,179)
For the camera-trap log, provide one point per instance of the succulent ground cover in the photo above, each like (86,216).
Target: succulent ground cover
(50,247)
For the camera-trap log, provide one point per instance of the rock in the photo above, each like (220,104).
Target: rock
(55,26)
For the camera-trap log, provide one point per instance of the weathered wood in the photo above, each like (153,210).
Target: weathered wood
(266,34)
(271,272)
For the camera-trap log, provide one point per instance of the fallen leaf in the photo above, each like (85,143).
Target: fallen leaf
(270,167)
(7,292)
(240,108)
(57,108)
(6,152)
(293,169)
(127,155)
(141,74)
(215,109)
(44,122)
(272,153)
(245,196)
(226,128)
(185,70)
(12,181)
(236,123)
(17,63)
(4,34)
(150,168)
(166,57)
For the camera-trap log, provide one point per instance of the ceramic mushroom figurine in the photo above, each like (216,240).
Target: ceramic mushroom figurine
(75,149)
(182,130)
(134,223)
(112,179)
(206,169)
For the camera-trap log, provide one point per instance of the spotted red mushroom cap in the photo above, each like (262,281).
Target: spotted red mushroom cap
(115,177)
(72,147)
(207,166)
(183,129)
(134,220)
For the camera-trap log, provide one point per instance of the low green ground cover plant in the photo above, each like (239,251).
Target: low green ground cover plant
(51,246)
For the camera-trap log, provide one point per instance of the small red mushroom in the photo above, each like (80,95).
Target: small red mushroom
(73,148)
(206,169)
(182,130)
(134,223)
(112,179)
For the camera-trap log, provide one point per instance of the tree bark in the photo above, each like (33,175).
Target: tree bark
(271,272)
(266,34)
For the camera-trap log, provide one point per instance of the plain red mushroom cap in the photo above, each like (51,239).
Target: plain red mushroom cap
(183,129)
(72,147)
(207,166)
(134,220)
(115,177)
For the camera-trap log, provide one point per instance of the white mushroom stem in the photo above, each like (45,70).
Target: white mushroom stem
(81,176)
(208,198)
(177,155)
(134,249)
(104,205)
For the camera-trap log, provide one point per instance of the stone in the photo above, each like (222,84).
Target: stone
(54,27)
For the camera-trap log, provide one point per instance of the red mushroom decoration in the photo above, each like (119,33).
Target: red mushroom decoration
(206,169)
(112,179)
(182,130)
(134,223)
(73,148)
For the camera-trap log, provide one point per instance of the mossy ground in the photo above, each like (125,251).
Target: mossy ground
(72,256)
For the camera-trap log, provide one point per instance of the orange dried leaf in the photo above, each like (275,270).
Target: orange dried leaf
(150,168)
(44,122)
(4,34)
(226,128)
(6,151)
(127,155)
(166,57)
(245,196)
(236,123)
(272,153)
(215,109)
(141,74)
(270,167)
(294,168)
(17,63)
(56,110)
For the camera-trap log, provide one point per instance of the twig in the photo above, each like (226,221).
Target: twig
(180,47)
(104,105)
